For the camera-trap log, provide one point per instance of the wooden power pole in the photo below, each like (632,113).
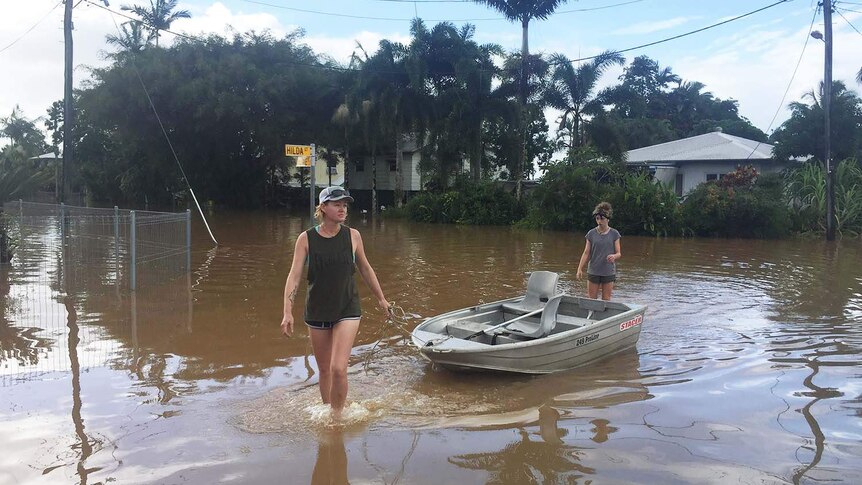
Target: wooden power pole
(827,114)
(68,109)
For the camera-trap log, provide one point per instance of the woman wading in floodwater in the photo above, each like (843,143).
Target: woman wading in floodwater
(334,252)
(601,254)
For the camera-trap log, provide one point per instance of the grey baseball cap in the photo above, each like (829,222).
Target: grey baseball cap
(331,194)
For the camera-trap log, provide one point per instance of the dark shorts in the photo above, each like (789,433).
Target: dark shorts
(328,325)
(599,280)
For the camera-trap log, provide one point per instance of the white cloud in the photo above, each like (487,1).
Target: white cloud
(341,48)
(33,67)
(755,68)
(219,19)
(650,27)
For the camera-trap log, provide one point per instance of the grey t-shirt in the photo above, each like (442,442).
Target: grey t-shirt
(602,245)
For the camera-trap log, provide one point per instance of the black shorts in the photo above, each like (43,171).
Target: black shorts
(599,280)
(328,325)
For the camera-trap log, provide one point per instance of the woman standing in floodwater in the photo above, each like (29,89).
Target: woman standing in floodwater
(334,252)
(601,252)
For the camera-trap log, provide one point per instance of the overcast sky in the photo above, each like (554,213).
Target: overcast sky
(750,60)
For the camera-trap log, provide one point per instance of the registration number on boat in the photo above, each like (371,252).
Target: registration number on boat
(586,340)
(631,323)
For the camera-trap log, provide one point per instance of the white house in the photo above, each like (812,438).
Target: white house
(686,163)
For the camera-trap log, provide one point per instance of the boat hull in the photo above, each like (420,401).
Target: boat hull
(565,349)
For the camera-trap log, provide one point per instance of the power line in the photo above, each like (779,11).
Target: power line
(362,17)
(162,126)
(344,69)
(838,11)
(426,1)
(401,19)
(789,84)
(33,27)
(682,35)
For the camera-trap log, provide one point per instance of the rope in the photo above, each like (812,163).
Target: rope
(398,319)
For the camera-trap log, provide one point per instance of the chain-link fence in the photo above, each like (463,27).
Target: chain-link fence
(89,247)
(65,303)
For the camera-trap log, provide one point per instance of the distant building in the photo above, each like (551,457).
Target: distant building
(686,163)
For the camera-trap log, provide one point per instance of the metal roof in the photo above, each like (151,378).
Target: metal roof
(709,146)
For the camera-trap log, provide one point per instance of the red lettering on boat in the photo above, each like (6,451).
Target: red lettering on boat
(631,323)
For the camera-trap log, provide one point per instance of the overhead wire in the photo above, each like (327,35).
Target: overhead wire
(580,59)
(838,11)
(686,34)
(164,131)
(402,19)
(790,83)
(33,27)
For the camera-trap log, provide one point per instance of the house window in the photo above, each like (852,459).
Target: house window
(360,165)
(710,177)
(678,185)
(393,165)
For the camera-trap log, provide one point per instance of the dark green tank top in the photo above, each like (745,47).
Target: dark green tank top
(332,293)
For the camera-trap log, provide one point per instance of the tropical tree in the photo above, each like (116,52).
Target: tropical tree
(802,134)
(133,37)
(572,91)
(19,176)
(22,133)
(642,91)
(159,16)
(228,104)
(523,11)
(378,95)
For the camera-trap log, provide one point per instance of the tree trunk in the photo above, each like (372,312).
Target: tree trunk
(399,161)
(346,159)
(476,155)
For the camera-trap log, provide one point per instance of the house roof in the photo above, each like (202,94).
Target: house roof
(709,146)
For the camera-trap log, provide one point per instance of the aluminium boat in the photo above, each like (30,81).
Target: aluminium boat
(540,332)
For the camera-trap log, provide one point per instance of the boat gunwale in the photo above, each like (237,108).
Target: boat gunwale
(634,310)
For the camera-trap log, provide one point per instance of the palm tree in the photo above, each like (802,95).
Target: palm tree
(523,11)
(345,118)
(17,179)
(572,90)
(159,16)
(132,39)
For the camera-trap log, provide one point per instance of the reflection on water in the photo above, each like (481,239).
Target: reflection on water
(331,465)
(747,369)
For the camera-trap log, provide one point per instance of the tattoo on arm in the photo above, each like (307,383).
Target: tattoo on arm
(292,295)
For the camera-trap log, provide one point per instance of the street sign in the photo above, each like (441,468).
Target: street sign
(303,162)
(297,151)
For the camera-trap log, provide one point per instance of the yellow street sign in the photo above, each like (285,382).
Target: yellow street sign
(297,150)
(303,162)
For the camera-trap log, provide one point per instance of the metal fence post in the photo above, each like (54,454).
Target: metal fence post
(188,240)
(117,243)
(62,224)
(133,250)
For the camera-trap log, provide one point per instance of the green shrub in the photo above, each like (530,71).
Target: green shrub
(806,191)
(752,210)
(643,207)
(485,203)
(564,198)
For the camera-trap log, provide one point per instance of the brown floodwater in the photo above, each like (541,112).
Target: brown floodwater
(747,369)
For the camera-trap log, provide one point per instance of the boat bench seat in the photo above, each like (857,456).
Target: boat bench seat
(574,321)
(465,328)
